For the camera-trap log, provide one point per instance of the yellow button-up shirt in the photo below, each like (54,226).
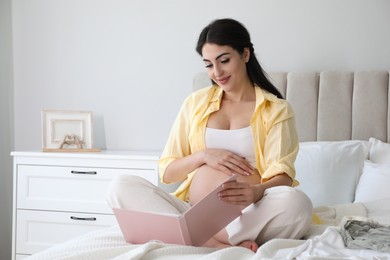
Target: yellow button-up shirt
(272,126)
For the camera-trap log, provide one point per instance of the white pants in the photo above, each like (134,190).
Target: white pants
(283,212)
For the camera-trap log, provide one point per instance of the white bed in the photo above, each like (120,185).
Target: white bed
(343,121)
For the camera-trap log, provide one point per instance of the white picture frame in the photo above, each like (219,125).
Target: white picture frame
(57,125)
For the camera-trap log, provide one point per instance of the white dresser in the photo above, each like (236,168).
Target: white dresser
(58,196)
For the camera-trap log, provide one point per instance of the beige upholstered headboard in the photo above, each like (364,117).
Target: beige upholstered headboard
(334,105)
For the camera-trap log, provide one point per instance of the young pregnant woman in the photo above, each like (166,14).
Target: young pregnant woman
(240,125)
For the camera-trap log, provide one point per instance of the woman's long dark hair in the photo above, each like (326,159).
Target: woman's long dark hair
(232,33)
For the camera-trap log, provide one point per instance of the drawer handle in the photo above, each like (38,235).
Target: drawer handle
(85,219)
(78,172)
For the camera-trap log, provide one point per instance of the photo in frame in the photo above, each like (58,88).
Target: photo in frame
(67,131)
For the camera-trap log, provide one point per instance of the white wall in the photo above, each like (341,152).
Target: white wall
(6,136)
(132,62)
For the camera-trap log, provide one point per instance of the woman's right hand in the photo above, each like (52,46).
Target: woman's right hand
(227,162)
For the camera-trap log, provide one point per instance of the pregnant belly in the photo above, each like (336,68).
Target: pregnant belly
(207,179)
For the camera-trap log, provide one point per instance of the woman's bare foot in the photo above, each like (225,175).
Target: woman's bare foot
(251,245)
(214,243)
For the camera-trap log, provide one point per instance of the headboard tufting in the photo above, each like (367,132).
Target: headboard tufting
(334,105)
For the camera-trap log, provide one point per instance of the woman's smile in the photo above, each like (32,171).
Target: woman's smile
(223,81)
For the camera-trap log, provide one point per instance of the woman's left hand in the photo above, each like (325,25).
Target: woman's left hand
(241,193)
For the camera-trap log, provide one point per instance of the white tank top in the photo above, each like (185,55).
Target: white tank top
(238,141)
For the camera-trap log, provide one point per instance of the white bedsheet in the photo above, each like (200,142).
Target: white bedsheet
(323,242)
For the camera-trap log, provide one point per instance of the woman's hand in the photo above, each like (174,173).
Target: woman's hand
(244,194)
(227,162)
(241,193)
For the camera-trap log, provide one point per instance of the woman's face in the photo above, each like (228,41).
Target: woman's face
(225,65)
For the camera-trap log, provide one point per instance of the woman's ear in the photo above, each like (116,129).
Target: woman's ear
(246,55)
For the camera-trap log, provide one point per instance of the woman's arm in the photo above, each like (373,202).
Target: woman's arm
(242,193)
(178,169)
(281,144)
(279,180)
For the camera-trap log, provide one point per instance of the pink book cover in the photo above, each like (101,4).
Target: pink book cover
(193,227)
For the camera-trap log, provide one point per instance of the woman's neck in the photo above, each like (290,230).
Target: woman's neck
(245,92)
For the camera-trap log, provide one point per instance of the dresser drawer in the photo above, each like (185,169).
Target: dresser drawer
(38,230)
(68,188)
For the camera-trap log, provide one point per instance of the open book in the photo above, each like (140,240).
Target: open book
(193,227)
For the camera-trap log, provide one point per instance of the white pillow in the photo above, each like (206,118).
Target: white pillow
(379,151)
(328,172)
(374,182)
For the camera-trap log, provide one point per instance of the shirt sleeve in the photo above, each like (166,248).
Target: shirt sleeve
(281,143)
(177,145)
